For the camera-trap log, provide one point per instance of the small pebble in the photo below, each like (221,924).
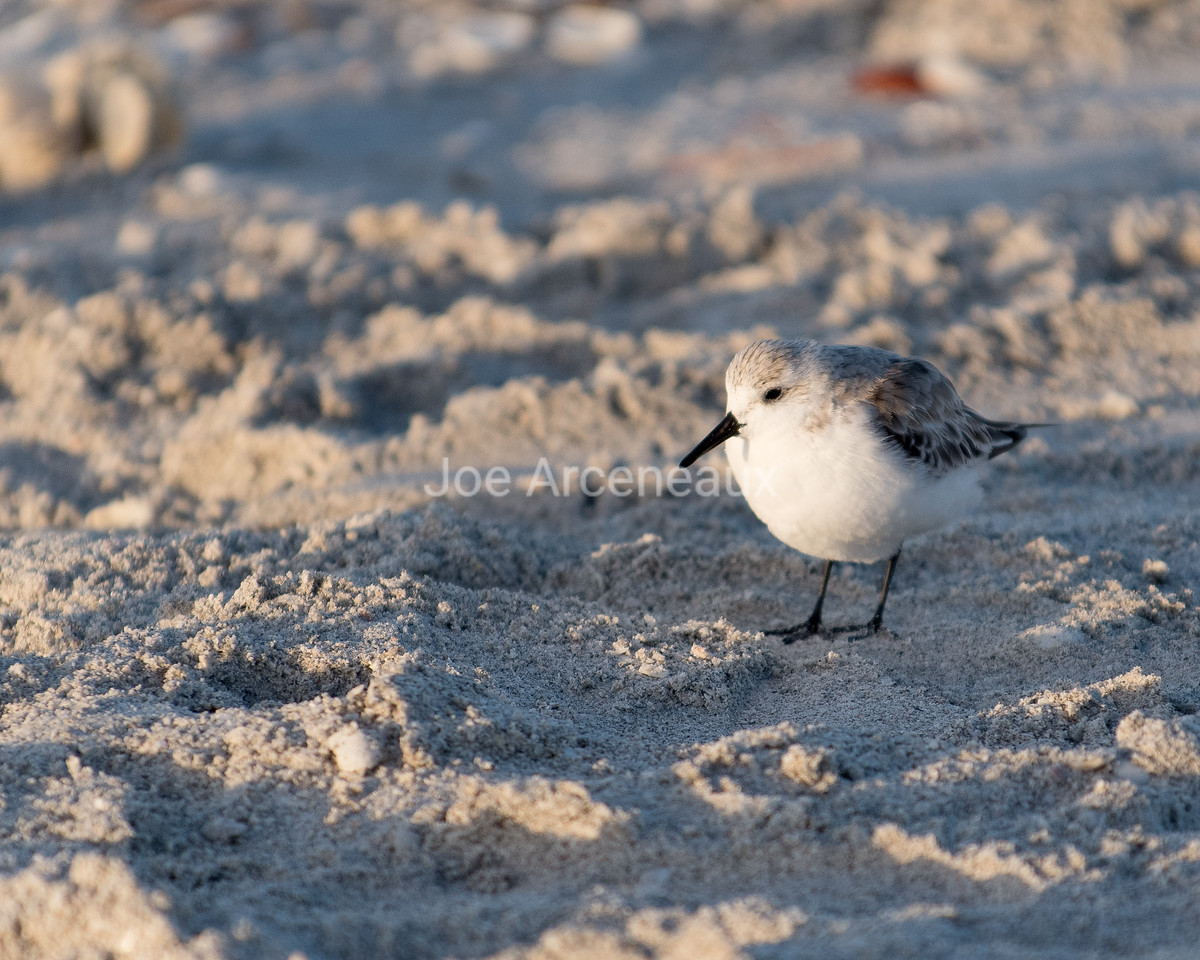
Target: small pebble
(353,751)
(1156,571)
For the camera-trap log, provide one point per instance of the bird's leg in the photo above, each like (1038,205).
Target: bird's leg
(875,624)
(813,623)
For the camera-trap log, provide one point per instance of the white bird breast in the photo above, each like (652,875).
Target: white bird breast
(841,492)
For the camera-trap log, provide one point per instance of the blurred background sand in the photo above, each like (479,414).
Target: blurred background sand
(268,269)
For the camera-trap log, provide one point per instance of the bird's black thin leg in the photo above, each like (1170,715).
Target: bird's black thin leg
(813,623)
(875,624)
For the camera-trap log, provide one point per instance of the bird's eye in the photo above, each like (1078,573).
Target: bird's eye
(773,394)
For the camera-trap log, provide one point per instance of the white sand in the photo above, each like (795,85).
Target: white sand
(262,696)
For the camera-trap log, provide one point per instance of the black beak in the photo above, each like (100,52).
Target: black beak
(727,428)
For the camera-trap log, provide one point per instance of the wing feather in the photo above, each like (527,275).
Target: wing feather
(917,408)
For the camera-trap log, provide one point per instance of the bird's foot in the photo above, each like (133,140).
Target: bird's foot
(873,627)
(812,626)
(808,628)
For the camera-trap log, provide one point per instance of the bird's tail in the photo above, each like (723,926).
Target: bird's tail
(1005,435)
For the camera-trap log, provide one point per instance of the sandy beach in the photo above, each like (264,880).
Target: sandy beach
(351,605)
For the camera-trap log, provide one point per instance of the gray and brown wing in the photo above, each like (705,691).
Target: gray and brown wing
(917,408)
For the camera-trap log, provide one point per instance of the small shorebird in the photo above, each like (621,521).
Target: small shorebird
(846,452)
